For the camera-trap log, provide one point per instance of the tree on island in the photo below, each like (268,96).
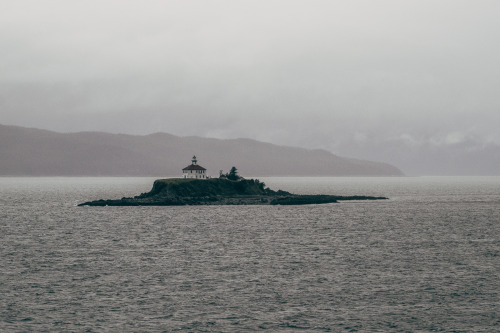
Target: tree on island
(233,174)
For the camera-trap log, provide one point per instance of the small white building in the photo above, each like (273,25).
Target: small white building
(194,170)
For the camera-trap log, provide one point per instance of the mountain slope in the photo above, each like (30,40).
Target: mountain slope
(34,152)
(470,157)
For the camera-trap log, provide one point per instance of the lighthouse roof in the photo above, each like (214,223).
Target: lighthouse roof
(194,167)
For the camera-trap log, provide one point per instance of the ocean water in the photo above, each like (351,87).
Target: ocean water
(427,260)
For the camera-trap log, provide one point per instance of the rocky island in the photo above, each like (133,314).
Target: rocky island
(219,191)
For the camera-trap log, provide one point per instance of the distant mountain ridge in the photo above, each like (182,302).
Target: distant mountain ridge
(469,157)
(36,152)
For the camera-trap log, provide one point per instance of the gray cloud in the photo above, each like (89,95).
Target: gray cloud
(321,74)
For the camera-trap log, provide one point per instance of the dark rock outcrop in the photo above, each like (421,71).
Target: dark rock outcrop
(177,192)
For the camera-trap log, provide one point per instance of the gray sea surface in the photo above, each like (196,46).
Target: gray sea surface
(427,260)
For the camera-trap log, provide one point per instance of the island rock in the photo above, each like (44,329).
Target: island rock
(215,191)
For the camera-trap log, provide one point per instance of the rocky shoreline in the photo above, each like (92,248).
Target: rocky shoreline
(179,192)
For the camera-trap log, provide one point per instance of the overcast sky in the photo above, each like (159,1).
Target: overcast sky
(314,74)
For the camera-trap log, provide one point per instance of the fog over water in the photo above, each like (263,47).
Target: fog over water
(351,77)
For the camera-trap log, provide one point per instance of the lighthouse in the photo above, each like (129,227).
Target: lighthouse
(194,170)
